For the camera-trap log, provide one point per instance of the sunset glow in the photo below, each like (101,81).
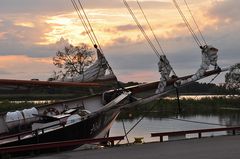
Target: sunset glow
(34,35)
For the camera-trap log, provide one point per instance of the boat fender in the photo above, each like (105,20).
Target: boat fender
(28,113)
(13,116)
(14,119)
(73,119)
(51,111)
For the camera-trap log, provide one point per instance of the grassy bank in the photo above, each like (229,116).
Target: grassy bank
(6,106)
(161,106)
(167,107)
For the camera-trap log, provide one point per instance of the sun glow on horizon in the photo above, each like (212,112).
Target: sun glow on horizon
(33,33)
(25,24)
(115,26)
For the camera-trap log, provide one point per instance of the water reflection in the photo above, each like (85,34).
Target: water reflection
(199,97)
(162,122)
(31,101)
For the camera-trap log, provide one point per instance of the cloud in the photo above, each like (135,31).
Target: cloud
(22,38)
(35,7)
(30,31)
(225,10)
(127,27)
(3,72)
(52,7)
(3,35)
(140,76)
(25,67)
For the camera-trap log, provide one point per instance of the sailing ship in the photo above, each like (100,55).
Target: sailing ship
(92,116)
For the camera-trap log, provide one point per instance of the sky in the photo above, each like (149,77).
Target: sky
(32,31)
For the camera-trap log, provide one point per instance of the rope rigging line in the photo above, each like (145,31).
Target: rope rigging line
(125,131)
(145,35)
(86,27)
(141,29)
(95,37)
(187,24)
(145,113)
(197,122)
(154,35)
(90,26)
(195,22)
(214,78)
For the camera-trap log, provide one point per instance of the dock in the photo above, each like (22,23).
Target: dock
(220,147)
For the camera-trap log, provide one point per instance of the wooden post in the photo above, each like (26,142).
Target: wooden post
(199,135)
(234,132)
(161,138)
(112,142)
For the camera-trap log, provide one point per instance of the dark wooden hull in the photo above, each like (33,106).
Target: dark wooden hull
(85,129)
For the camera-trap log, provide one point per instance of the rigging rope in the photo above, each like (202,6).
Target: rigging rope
(146,113)
(195,22)
(125,132)
(197,122)
(89,24)
(86,27)
(146,37)
(141,29)
(187,24)
(154,35)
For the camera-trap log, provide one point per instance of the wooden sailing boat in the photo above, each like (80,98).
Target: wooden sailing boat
(90,116)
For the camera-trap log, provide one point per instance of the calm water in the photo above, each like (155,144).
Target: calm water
(154,123)
(150,125)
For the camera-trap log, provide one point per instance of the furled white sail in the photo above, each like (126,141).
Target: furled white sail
(165,70)
(97,71)
(209,57)
(233,77)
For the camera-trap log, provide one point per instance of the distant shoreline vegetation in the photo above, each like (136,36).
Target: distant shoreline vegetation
(169,107)
(162,105)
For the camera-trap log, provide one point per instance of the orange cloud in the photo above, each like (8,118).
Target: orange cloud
(2,35)
(24,67)
(25,24)
(140,76)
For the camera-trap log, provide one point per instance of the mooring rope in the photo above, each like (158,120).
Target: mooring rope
(146,113)
(125,132)
(197,122)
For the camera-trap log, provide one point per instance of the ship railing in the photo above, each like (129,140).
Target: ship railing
(199,132)
(24,134)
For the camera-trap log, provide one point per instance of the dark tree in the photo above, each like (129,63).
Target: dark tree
(232,78)
(72,61)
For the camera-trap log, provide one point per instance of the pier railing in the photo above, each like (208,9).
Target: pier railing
(199,132)
(57,145)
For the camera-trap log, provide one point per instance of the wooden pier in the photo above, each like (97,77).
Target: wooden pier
(224,147)
(198,148)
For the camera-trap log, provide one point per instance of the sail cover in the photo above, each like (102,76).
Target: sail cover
(165,70)
(232,78)
(98,71)
(209,57)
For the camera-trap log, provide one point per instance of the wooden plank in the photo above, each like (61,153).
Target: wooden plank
(47,83)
